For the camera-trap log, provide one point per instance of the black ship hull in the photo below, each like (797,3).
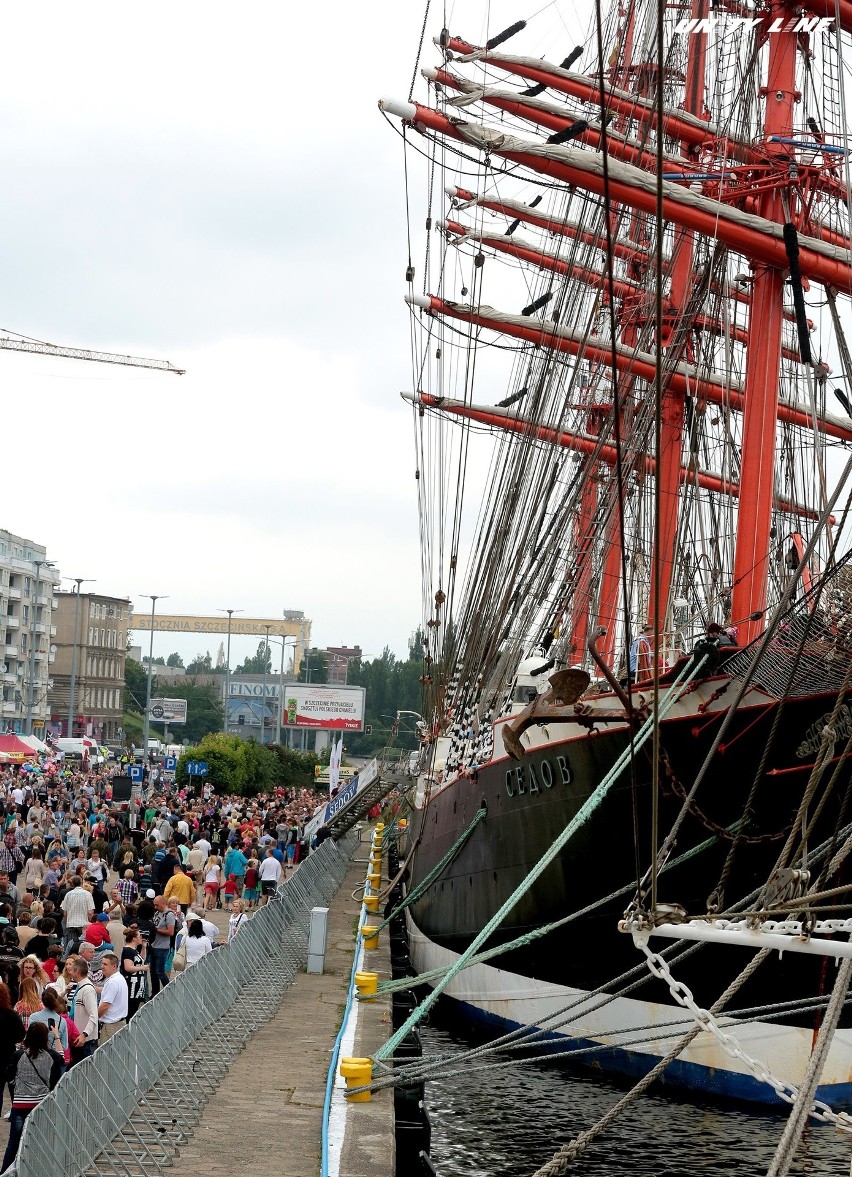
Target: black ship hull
(530,802)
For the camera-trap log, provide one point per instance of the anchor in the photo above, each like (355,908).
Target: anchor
(566,687)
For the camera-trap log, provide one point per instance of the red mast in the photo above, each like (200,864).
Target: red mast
(763,356)
(674,400)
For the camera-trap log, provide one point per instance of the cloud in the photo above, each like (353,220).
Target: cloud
(217,189)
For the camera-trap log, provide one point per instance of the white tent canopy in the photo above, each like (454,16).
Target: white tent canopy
(35,743)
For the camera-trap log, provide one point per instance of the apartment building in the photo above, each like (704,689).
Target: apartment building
(339,658)
(91,646)
(28,583)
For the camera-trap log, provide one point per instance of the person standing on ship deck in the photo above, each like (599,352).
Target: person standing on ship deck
(641,659)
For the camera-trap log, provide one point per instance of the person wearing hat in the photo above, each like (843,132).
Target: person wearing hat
(96,932)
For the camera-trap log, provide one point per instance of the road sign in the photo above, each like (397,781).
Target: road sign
(168,710)
(170,763)
(196,767)
(134,771)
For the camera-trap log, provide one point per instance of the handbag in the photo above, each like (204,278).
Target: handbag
(179,957)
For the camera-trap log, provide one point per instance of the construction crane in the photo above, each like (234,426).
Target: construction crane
(11,341)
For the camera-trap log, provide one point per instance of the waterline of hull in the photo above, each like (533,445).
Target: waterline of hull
(507,1000)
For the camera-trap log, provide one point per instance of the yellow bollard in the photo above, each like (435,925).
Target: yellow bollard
(402,823)
(374,878)
(371,902)
(380,825)
(357,1072)
(376,862)
(367,985)
(370,932)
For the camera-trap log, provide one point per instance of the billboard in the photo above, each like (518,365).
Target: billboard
(292,625)
(168,710)
(331,707)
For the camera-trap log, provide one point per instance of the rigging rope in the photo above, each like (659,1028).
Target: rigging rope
(395,986)
(689,672)
(795,1126)
(436,871)
(565,1157)
(584,1003)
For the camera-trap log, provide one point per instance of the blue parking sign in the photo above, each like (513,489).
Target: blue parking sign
(170,763)
(135,771)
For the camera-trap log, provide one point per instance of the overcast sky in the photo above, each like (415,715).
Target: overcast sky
(213,184)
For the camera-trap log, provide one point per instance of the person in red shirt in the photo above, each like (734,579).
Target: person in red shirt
(96,933)
(51,965)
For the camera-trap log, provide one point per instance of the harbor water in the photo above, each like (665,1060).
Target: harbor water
(507,1121)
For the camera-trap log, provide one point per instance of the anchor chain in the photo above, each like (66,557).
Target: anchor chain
(784,1090)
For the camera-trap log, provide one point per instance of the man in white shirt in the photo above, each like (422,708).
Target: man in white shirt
(270,875)
(83,1010)
(112,1011)
(77,910)
(204,846)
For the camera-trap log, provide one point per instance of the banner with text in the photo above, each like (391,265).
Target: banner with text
(331,707)
(168,710)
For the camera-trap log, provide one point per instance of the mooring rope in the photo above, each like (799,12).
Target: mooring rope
(592,803)
(436,871)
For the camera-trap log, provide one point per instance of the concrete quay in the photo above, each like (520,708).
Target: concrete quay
(272,1098)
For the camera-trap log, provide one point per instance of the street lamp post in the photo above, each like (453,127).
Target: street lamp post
(264,684)
(153,597)
(230,613)
(31,692)
(78,580)
(345,660)
(280,702)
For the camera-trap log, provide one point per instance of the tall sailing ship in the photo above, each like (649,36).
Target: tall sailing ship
(631,407)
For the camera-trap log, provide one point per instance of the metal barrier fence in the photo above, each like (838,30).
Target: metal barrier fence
(125,1109)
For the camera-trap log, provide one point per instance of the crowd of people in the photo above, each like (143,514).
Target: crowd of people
(101,905)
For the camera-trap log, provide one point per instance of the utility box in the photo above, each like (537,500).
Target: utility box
(317,939)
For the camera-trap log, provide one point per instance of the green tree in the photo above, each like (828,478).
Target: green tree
(133,725)
(201,664)
(261,663)
(314,668)
(233,765)
(391,685)
(135,694)
(174,660)
(135,685)
(296,769)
